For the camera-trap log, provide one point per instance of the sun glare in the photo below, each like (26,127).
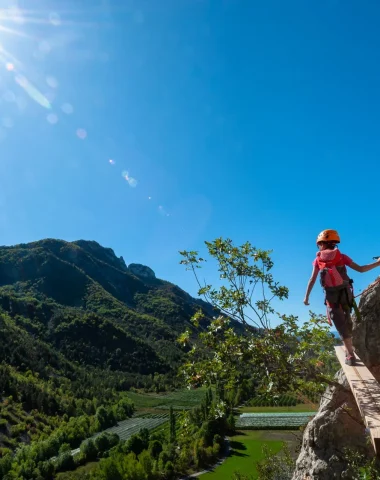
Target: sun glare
(29,39)
(17,60)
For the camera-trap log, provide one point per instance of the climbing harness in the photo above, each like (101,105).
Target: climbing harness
(338,287)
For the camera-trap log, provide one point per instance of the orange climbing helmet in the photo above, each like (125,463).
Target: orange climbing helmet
(328,236)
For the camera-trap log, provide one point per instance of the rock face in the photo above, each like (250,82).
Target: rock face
(366,331)
(338,423)
(141,270)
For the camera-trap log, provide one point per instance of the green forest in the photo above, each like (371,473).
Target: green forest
(83,339)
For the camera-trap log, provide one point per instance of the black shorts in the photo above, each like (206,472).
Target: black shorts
(342,321)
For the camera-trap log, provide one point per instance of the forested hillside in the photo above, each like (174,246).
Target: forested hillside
(84,302)
(79,329)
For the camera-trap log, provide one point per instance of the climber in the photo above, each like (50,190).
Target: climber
(339,298)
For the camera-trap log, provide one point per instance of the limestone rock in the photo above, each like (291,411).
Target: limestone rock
(141,271)
(122,261)
(366,331)
(338,423)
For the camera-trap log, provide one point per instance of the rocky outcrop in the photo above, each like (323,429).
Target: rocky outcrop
(141,271)
(104,254)
(366,331)
(338,424)
(123,263)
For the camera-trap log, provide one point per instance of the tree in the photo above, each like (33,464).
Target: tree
(276,466)
(65,462)
(105,441)
(169,471)
(240,343)
(46,468)
(231,423)
(135,445)
(172,425)
(146,462)
(108,470)
(155,448)
(5,465)
(250,283)
(144,435)
(102,418)
(65,447)
(89,450)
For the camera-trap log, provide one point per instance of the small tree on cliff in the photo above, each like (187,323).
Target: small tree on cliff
(240,340)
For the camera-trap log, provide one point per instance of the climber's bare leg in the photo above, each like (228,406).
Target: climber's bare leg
(343,323)
(349,347)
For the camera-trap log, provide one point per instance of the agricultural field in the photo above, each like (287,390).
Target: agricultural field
(273,421)
(280,401)
(179,400)
(152,411)
(297,408)
(246,451)
(127,428)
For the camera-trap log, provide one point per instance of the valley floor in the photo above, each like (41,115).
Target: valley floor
(246,446)
(246,451)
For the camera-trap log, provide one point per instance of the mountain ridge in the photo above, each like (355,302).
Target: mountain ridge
(63,287)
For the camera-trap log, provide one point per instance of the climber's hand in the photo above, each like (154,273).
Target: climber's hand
(306,301)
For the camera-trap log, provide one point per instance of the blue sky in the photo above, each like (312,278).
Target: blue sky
(251,120)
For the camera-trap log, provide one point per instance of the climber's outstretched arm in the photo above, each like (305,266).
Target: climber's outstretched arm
(364,268)
(310,285)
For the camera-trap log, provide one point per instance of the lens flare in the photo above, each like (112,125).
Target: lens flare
(162,211)
(52,118)
(32,91)
(112,162)
(52,81)
(55,19)
(81,133)
(131,181)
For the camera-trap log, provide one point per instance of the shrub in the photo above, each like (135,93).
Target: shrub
(65,447)
(65,462)
(275,466)
(105,441)
(155,448)
(89,450)
(135,444)
(169,470)
(17,429)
